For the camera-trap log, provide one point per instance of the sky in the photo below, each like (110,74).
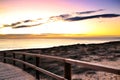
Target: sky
(91,17)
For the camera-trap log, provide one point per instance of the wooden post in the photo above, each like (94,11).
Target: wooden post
(4,55)
(14,58)
(24,67)
(67,71)
(37,62)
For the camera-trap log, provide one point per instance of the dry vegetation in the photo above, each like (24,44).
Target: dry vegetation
(105,53)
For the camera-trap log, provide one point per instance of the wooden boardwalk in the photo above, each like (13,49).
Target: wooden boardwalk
(9,72)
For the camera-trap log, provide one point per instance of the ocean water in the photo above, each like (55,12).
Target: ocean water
(10,44)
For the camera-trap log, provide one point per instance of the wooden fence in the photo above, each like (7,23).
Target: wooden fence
(67,64)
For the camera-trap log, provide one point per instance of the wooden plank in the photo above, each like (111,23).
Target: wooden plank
(37,64)
(24,59)
(94,66)
(9,72)
(4,55)
(39,69)
(42,56)
(67,71)
(77,62)
(14,57)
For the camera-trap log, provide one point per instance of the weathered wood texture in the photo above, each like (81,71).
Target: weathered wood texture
(94,66)
(38,69)
(67,67)
(9,72)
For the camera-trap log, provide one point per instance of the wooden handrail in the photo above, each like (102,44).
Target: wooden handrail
(38,68)
(60,59)
(67,67)
(94,66)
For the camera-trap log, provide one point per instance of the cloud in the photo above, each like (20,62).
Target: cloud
(64,17)
(21,22)
(14,24)
(25,21)
(77,18)
(59,17)
(24,26)
(88,12)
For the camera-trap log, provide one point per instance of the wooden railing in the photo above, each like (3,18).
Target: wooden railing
(67,65)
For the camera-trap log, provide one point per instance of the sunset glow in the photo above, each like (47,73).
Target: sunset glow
(90,17)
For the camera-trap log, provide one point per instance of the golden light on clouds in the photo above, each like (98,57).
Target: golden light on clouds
(70,17)
(59,27)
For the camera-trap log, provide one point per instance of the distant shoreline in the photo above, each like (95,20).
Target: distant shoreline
(109,42)
(56,36)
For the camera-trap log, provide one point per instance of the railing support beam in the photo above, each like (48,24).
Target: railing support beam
(67,71)
(14,58)
(37,62)
(4,55)
(24,59)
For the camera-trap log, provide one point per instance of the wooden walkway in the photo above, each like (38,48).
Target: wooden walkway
(9,72)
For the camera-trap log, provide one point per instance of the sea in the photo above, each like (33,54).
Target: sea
(11,44)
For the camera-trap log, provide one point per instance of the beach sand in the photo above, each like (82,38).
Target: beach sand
(103,53)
